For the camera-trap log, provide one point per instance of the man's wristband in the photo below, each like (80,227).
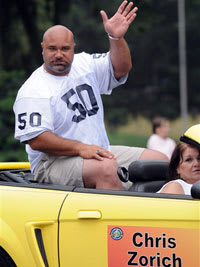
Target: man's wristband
(113,38)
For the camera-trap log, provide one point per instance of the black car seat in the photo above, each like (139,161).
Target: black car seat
(16,175)
(146,175)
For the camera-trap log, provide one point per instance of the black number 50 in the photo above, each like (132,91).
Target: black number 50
(34,120)
(81,107)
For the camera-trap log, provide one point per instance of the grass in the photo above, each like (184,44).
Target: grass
(127,139)
(137,131)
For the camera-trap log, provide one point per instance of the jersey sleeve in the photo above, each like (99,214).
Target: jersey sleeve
(32,117)
(105,74)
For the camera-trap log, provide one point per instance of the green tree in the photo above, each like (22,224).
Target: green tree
(153,84)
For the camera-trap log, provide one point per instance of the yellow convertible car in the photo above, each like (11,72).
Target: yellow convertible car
(58,226)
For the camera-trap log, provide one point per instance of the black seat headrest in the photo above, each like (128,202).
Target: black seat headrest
(195,190)
(146,175)
(147,170)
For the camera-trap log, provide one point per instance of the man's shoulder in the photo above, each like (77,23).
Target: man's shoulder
(82,63)
(36,82)
(82,59)
(35,77)
(87,58)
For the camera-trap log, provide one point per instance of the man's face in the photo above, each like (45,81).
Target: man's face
(58,52)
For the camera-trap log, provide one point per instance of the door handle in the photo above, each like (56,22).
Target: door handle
(89,214)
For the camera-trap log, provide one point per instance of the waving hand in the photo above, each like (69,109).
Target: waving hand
(118,25)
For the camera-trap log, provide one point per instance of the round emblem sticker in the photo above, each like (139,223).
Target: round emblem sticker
(116,233)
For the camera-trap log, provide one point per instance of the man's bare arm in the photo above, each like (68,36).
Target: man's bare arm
(116,27)
(52,144)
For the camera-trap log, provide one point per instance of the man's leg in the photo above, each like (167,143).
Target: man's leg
(149,154)
(75,171)
(125,155)
(60,170)
(92,173)
(101,174)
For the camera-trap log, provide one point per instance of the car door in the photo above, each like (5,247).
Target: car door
(29,224)
(99,229)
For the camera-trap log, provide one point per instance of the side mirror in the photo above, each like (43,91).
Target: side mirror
(195,190)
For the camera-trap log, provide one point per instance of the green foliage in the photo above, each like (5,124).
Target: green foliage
(127,139)
(10,81)
(153,84)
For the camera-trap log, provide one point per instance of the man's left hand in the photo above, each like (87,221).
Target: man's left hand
(118,25)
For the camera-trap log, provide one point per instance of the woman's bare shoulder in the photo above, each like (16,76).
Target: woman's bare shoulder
(173,188)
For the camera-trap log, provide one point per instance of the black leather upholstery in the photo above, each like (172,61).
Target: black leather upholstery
(151,186)
(147,175)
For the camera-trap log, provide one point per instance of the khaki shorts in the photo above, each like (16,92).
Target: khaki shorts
(68,170)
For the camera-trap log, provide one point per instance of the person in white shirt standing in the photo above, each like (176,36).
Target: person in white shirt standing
(59,111)
(160,139)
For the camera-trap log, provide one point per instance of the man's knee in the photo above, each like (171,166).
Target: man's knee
(109,167)
(102,174)
(109,177)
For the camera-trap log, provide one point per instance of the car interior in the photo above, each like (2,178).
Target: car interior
(147,176)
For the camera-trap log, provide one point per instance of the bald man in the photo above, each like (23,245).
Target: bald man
(59,111)
(61,38)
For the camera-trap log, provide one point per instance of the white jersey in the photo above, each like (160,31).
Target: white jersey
(69,106)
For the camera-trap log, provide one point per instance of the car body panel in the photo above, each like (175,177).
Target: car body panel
(86,220)
(22,211)
(58,226)
(14,165)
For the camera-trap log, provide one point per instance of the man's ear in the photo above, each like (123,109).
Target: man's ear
(42,45)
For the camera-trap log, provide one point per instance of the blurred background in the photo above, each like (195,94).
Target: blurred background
(155,84)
